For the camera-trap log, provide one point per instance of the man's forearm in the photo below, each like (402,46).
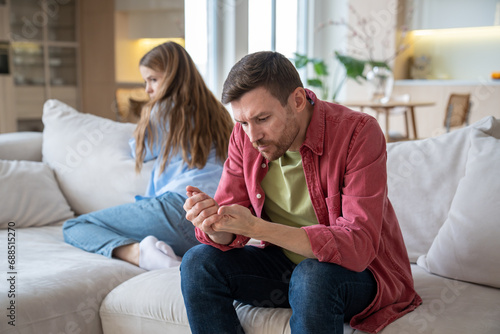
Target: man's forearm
(291,238)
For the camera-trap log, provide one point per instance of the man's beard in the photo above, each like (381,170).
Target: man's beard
(282,144)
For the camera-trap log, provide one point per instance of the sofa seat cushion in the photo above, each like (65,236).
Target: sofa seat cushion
(152,303)
(449,307)
(148,303)
(59,288)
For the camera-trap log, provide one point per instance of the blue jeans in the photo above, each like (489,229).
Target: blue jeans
(163,217)
(322,295)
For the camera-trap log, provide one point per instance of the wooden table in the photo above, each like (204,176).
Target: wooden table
(386,108)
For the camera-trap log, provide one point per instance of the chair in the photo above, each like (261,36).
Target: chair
(457,111)
(129,103)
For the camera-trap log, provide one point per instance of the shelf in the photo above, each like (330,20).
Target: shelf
(409,82)
(44,59)
(17,84)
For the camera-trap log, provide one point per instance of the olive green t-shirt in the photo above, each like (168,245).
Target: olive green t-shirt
(287,198)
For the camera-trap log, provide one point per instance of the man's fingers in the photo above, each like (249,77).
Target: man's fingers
(190,191)
(207,213)
(229,210)
(194,199)
(200,207)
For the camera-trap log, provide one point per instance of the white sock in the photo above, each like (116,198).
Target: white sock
(167,250)
(152,257)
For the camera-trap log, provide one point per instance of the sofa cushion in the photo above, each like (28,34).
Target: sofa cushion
(30,195)
(91,158)
(423,176)
(467,246)
(59,287)
(149,303)
(153,303)
(449,307)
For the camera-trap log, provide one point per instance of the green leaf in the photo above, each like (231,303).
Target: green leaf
(354,67)
(315,83)
(374,63)
(300,60)
(320,68)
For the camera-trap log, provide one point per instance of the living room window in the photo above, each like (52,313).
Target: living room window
(217,36)
(272,25)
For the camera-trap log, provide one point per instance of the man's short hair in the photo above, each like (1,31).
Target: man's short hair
(267,69)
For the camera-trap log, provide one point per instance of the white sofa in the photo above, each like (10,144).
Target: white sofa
(445,190)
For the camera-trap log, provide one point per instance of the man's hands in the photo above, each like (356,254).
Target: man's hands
(222,223)
(202,211)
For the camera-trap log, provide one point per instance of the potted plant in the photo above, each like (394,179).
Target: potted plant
(354,69)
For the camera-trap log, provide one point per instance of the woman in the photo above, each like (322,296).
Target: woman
(186,129)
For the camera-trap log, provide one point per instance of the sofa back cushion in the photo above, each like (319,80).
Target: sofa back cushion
(21,146)
(467,246)
(423,176)
(91,158)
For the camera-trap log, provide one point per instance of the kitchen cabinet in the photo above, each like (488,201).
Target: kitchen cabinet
(444,14)
(45,57)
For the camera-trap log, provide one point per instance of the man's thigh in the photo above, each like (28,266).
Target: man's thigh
(331,287)
(254,275)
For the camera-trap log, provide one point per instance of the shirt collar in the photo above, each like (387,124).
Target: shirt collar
(316,130)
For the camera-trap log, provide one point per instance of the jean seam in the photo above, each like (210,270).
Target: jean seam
(73,242)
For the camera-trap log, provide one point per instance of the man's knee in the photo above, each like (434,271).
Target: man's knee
(197,257)
(306,277)
(312,276)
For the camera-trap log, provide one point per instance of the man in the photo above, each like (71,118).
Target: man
(308,178)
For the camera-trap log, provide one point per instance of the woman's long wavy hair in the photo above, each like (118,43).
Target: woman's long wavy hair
(196,120)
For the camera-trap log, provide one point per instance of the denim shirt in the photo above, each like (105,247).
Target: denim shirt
(177,175)
(344,159)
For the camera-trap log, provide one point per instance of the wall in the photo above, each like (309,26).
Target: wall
(7,117)
(376,21)
(359,28)
(140,26)
(97,57)
(128,52)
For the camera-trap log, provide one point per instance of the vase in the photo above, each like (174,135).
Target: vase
(382,81)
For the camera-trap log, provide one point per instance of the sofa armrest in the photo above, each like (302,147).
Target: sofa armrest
(21,146)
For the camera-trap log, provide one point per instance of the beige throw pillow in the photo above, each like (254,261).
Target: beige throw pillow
(30,195)
(467,246)
(91,158)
